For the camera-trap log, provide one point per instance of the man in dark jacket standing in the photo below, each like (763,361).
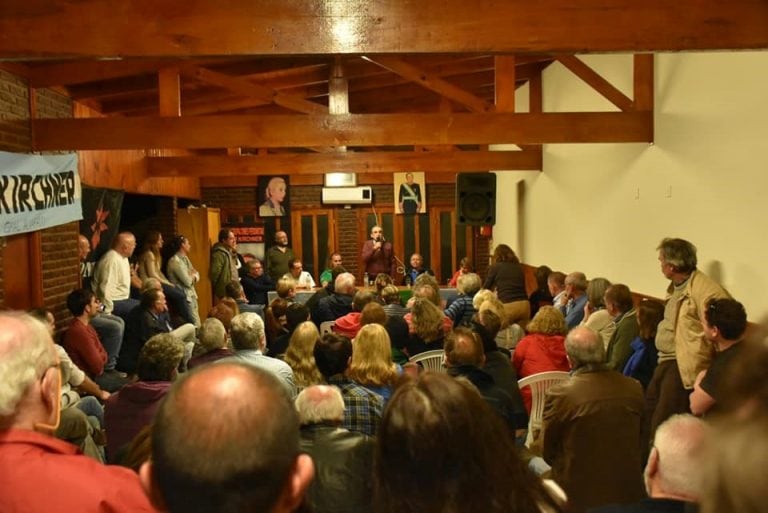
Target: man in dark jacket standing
(343,459)
(224,263)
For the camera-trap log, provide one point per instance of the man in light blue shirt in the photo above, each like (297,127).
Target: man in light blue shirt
(575,299)
(249,341)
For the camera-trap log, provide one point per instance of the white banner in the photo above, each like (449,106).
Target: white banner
(38,192)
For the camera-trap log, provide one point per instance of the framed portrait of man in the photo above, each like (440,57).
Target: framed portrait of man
(410,197)
(273,197)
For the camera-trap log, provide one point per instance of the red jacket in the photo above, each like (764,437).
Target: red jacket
(539,353)
(84,347)
(40,473)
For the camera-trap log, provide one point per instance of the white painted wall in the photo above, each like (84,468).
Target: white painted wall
(603,208)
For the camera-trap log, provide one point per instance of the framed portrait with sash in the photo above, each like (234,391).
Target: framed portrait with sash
(410,193)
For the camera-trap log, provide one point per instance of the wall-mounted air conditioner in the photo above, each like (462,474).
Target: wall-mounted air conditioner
(347,195)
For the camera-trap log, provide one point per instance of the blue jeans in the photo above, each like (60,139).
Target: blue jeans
(92,407)
(110,329)
(123,307)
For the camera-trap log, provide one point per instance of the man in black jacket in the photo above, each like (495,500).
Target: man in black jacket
(343,459)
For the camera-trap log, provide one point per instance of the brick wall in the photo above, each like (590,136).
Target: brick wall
(58,244)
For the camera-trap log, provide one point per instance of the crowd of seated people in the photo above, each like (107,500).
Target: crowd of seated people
(342,421)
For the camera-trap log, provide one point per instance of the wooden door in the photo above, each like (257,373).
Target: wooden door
(22,271)
(313,238)
(201,226)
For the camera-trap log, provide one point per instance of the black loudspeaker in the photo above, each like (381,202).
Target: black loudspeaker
(476,198)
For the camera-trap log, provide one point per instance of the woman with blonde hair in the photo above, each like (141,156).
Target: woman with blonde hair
(372,366)
(300,355)
(543,349)
(426,327)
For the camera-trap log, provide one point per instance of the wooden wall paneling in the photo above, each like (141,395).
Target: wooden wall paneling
(23,271)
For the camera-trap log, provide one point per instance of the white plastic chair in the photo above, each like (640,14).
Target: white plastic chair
(539,384)
(430,360)
(326,327)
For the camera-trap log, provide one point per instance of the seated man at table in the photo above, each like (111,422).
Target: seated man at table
(417,269)
(256,283)
(334,261)
(302,278)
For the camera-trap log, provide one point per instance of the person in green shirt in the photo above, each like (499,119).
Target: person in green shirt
(334,261)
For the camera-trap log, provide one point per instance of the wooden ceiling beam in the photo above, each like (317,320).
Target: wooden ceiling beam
(431,81)
(349,162)
(339,130)
(258,92)
(169,28)
(597,82)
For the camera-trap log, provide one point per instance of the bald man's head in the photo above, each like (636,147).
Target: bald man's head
(226,438)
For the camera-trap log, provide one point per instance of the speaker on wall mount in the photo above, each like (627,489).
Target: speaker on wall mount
(476,198)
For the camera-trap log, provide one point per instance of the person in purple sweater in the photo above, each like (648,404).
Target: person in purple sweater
(133,407)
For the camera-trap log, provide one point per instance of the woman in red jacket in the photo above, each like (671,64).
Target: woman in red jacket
(543,349)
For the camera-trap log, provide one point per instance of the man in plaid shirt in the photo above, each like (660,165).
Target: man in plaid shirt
(362,407)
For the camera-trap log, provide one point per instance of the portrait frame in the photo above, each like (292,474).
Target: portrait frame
(410,196)
(271,202)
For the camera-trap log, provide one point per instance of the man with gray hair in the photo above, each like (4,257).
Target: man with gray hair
(673,474)
(574,299)
(343,459)
(213,343)
(591,428)
(249,342)
(38,472)
(337,304)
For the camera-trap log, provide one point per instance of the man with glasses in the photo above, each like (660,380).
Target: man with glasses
(256,283)
(38,472)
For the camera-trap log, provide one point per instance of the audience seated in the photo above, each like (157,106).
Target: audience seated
(461,310)
(426,326)
(326,290)
(642,362)
(464,357)
(543,349)
(38,472)
(674,470)
(82,343)
(113,277)
(343,459)
(300,355)
(371,365)
(223,313)
(393,305)
(441,448)
(213,343)
(497,361)
(148,319)
(275,320)
(619,303)
(591,428)
(133,407)
(556,286)
(575,298)
(249,342)
(541,296)
(382,281)
(465,266)
(595,314)
(235,291)
(286,289)
(362,407)
(348,325)
(226,439)
(149,266)
(295,314)
(339,303)
(373,313)
(256,283)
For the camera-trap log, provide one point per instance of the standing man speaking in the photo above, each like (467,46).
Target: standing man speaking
(378,255)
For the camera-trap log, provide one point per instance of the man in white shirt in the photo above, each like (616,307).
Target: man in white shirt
(113,277)
(297,273)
